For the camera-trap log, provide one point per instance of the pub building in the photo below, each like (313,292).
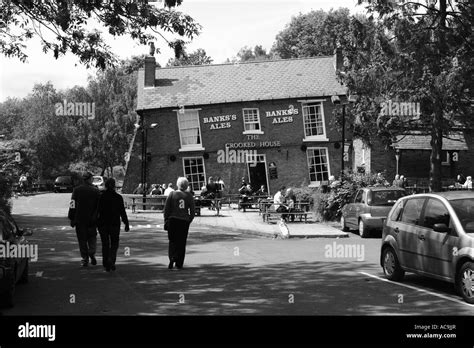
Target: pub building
(270,122)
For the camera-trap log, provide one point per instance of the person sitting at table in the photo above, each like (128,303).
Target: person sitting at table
(155,190)
(169,189)
(220,186)
(290,198)
(261,191)
(138,190)
(245,195)
(468,183)
(211,192)
(404,181)
(278,202)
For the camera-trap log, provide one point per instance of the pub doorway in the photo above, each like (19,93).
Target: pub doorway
(257,171)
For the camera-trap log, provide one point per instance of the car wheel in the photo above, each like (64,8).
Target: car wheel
(465,282)
(343,224)
(363,230)
(24,276)
(391,266)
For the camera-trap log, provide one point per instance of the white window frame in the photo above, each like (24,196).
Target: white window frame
(304,105)
(317,183)
(193,147)
(203,168)
(254,131)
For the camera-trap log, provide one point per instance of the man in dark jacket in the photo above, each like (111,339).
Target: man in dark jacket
(178,214)
(111,210)
(83,216)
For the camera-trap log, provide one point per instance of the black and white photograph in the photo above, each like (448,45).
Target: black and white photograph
(236,171)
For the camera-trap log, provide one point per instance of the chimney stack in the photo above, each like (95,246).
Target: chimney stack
(150,70)
(338,59)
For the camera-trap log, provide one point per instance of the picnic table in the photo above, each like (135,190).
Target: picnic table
(300,210)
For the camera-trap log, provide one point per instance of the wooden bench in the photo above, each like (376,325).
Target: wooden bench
(298,214)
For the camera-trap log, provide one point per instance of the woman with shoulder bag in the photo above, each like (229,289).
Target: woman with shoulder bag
(178,215)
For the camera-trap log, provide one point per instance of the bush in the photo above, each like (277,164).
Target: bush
(328,205)
(305,194)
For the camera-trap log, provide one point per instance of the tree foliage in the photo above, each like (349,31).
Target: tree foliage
(198,57)
(69,26)
(316,33)
(55,144)
(412,53)
(258,53)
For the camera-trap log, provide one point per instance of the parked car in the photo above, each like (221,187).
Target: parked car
(64,184)
(13,270)
(368,208)
(99,182)
(432,234)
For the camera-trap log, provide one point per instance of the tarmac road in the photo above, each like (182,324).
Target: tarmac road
(226,273)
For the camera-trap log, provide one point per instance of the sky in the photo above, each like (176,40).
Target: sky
(227,26)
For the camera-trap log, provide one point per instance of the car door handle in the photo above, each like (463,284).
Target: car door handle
(422,237)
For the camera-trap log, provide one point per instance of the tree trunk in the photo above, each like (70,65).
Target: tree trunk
(436,152)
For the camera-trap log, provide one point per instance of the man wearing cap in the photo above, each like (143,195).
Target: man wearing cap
(83,216)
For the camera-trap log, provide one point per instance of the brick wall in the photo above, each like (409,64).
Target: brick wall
(291,160)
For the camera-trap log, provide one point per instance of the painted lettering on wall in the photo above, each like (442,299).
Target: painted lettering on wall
(253,144)
(220,122)
(282,116)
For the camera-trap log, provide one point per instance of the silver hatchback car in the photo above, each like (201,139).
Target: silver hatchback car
(432,234)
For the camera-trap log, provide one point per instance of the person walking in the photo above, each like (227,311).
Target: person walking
(83,216)
(178,215)
(110,210)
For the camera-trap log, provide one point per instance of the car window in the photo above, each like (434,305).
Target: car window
(359,195)
(386,197)
(464,209)
(412,211)
(435,213)
(397,212)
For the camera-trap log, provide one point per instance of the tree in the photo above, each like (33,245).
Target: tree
(198,57)
(62,26)
(106,138)
(49,136)
(258,53)
(313,34)
(420,53)
(10,116)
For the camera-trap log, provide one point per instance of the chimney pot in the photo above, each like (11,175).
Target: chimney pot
(150,70)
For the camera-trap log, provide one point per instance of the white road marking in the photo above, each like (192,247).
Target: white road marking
(418,289)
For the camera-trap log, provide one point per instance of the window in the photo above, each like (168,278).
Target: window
(313,119)
(194,172)
(251,121)
(435,213)
(397,212)
(412,211)
(318,164)
(189,130)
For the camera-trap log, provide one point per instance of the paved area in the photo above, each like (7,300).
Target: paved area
(230,219)
(226,272)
